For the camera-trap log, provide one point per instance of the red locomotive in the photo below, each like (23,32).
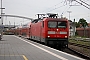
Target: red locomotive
(50,30)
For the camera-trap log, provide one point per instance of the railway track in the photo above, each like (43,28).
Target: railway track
(84,46)
(73,52)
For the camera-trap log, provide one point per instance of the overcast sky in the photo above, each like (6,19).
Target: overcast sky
(30,8)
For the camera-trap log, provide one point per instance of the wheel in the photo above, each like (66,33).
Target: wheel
(46,43)
(0,38)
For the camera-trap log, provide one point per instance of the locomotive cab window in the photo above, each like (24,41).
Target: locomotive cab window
(52,24)
(57,24)
(62,24)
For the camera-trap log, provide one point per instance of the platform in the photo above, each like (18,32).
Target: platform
(16,48)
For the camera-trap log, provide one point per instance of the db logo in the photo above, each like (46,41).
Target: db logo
(57,32)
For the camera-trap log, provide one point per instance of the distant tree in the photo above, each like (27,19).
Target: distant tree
(82,22)
(76,24)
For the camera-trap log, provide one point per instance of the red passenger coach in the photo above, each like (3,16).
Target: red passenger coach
(25,30)
(50,30)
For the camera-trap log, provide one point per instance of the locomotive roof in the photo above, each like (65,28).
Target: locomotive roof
(59,19)
(47,16)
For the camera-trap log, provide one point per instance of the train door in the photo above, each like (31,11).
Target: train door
(41,31)
(29,32)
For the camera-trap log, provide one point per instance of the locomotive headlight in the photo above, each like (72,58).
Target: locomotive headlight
(48,36)
(65,36)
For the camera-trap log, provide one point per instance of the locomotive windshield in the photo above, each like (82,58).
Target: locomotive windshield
(57,24)
(62,24)
(52,24)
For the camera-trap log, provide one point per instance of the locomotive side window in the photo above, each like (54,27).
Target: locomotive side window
(42,23)
(52,24)
(62,24)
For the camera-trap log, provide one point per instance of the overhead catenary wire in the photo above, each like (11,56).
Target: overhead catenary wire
(73,5)
(85,2)
(65,11)
(64,4)
(67,8)
(57,7)
(82,4)
(70,6)
(53,6)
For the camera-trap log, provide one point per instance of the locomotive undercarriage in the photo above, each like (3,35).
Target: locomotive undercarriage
(56,42)
(52,41)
